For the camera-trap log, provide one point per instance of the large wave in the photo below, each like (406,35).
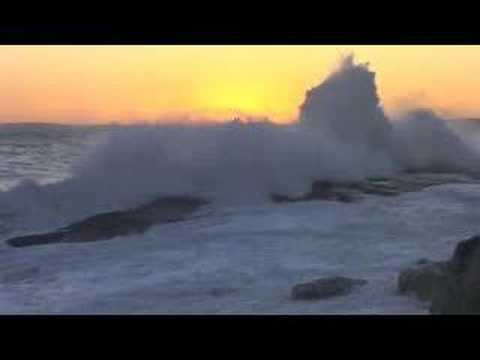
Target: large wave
(342,133)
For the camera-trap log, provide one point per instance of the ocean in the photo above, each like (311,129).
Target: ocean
(242,253)
(42,152)
(229,258)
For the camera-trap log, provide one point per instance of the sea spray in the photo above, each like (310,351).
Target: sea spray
(423,142)
(342,134)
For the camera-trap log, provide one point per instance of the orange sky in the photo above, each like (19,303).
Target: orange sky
(127,83)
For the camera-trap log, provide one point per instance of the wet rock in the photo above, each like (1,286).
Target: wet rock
(117,223)
(279,198)
(327,190)
(422,261)
(466,255)
(221,291)
(452,286)
(421,279)
(325,288)
(460,292)
(321,190)
(350,191)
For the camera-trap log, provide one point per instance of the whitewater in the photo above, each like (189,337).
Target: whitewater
(241,253)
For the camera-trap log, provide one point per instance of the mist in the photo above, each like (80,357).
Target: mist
(342,133)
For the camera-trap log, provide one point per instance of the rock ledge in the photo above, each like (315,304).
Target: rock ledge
(325,288)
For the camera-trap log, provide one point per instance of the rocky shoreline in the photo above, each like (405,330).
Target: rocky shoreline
(325,288)
(451,286)
(175,208)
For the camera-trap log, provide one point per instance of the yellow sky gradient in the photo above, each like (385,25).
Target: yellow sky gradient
(130,83)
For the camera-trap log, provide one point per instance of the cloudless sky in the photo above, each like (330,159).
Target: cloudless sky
(150,83)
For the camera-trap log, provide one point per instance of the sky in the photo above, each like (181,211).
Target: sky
(103,84)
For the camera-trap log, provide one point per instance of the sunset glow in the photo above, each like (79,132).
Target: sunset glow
(98,84)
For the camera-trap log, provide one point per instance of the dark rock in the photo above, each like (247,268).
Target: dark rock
(117,223)
(323,189)
(221,291)
(465,254)
(452,286)
(421,279)
(278,198)
(325,288)
(460,292)
(349,191)
(327,190)
(422,261)
(449,297)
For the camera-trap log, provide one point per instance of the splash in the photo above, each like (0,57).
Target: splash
(423,142)
(346,107)
(342,133)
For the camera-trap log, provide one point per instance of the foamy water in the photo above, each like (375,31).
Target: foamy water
(245,259)
(241,253)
